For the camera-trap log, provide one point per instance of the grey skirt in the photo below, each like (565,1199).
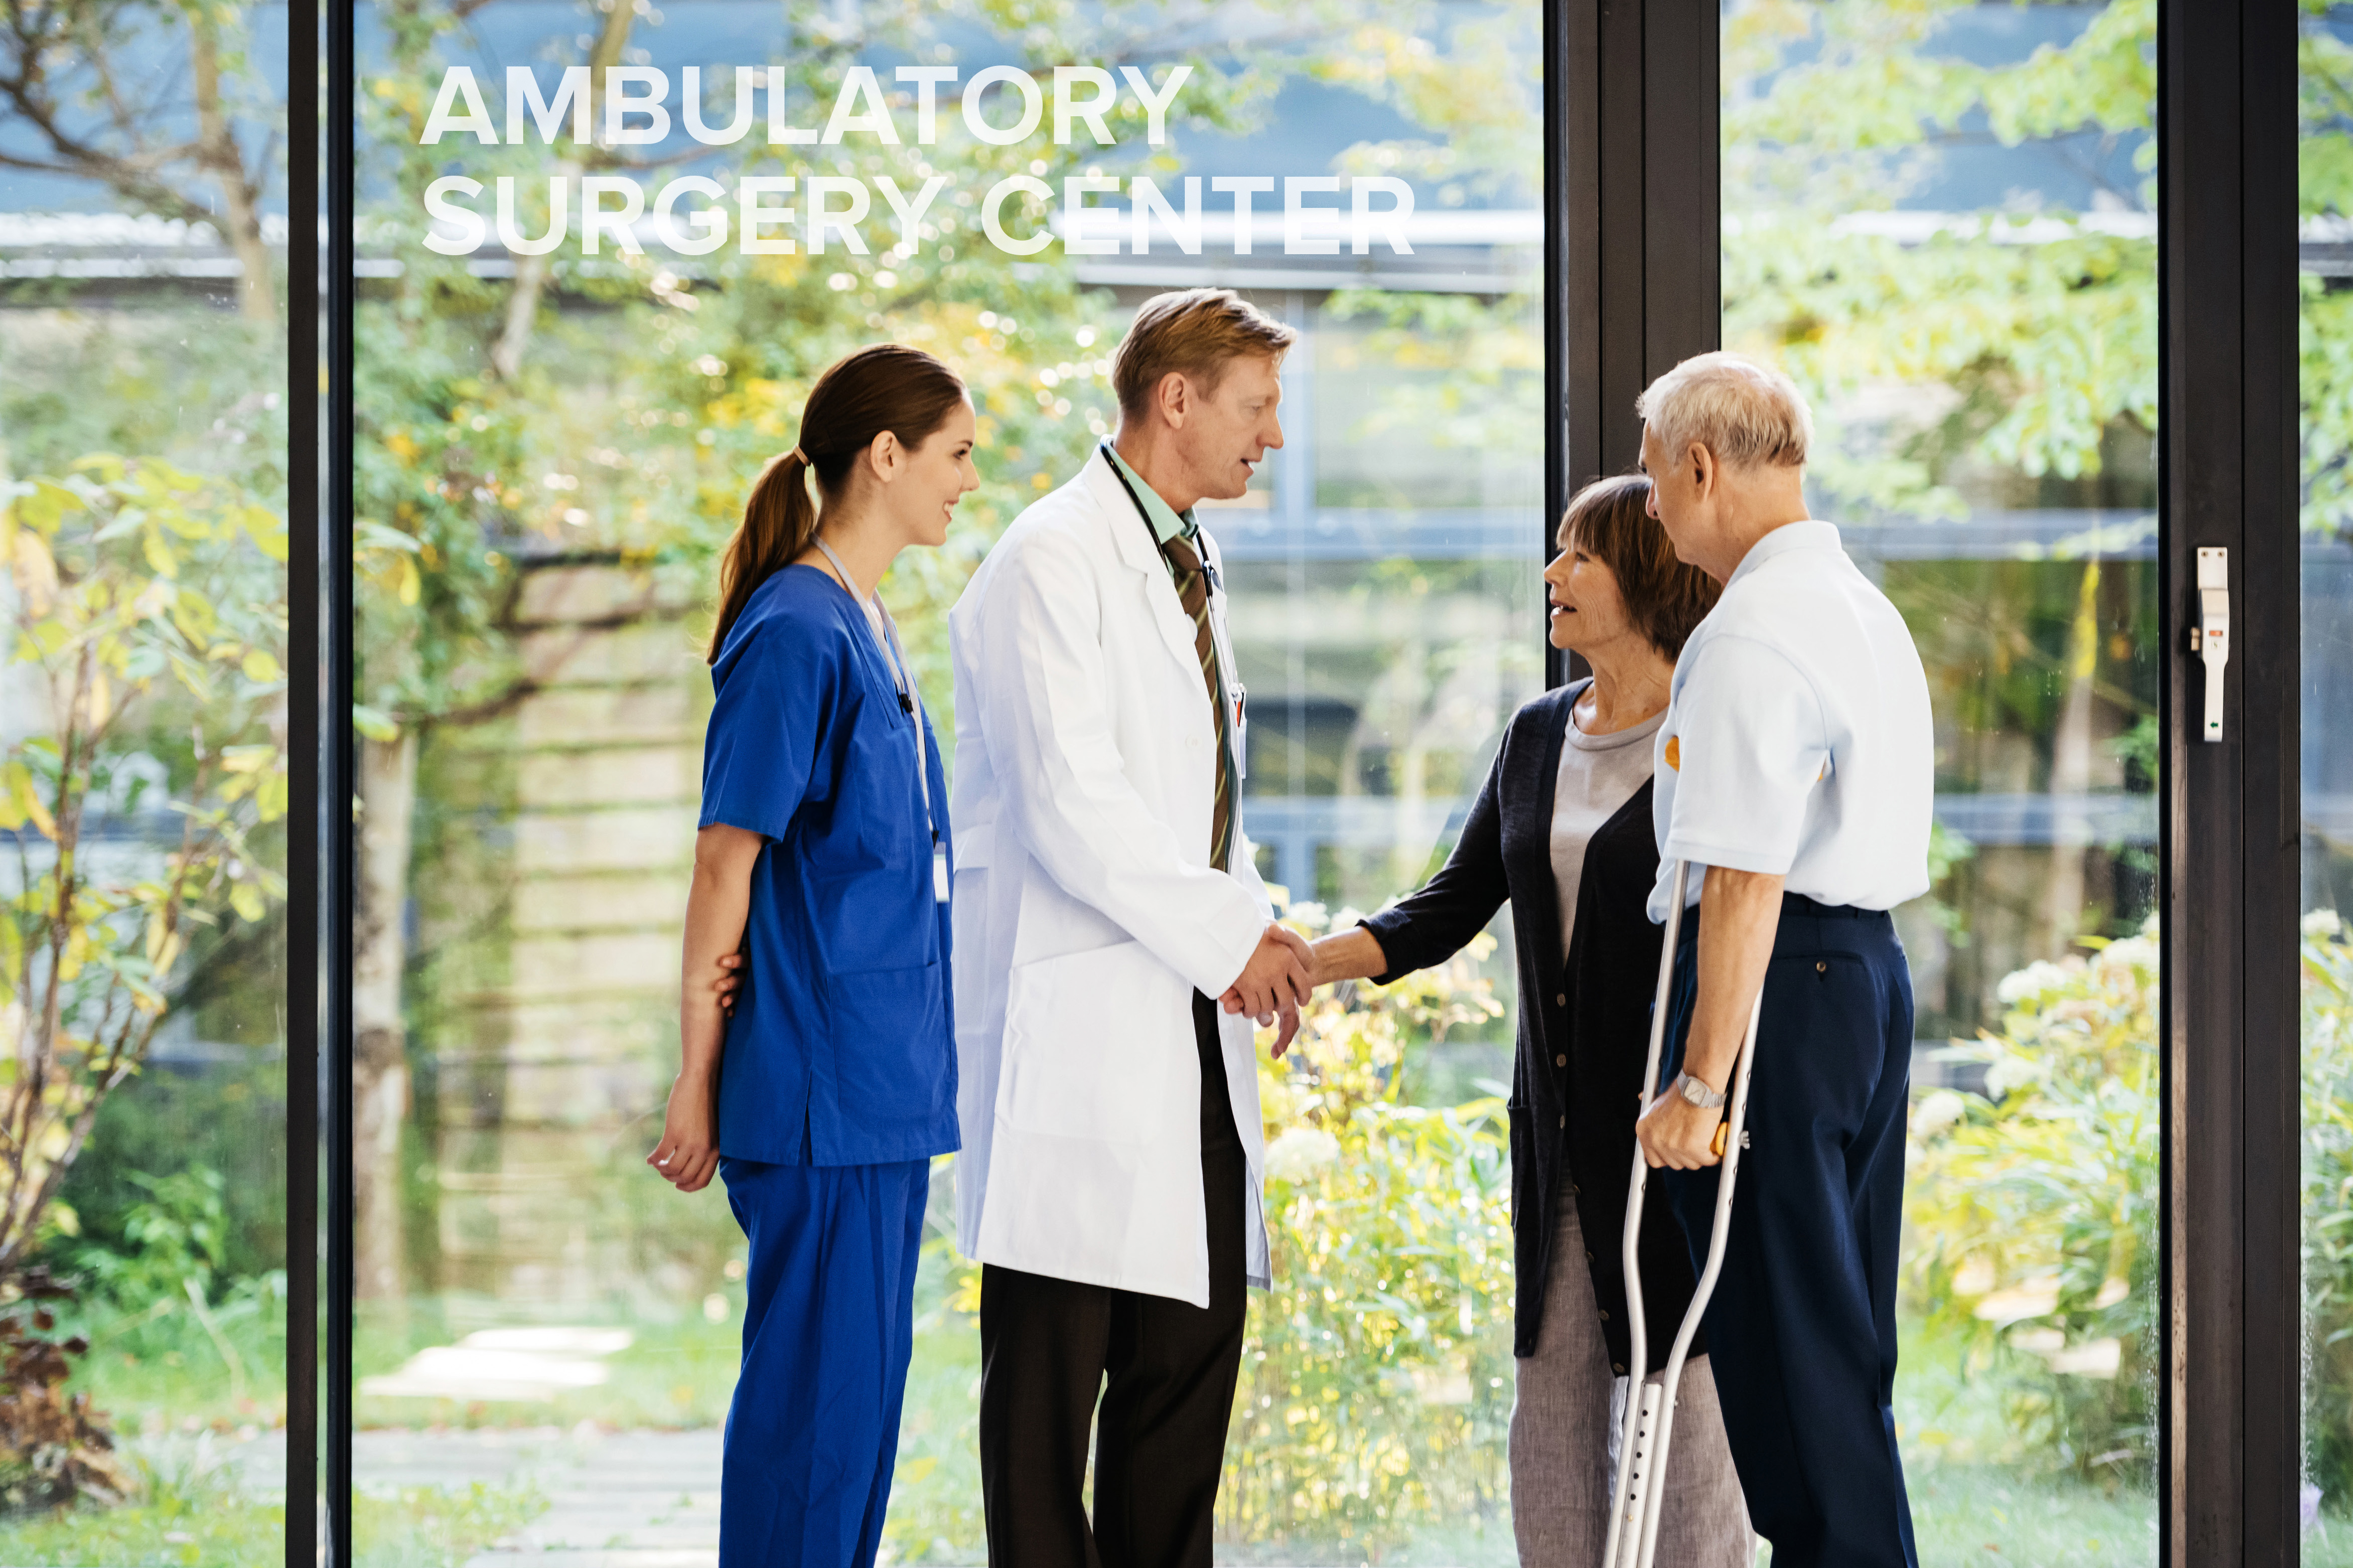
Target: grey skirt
(1564,1437)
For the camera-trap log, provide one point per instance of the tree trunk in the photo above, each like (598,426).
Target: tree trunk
(240,218)
(379,1044)
(531,271)
(2070,772)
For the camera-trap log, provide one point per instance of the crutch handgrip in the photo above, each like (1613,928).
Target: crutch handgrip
(1649,1428)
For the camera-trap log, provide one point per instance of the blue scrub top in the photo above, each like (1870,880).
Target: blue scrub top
(843,1047)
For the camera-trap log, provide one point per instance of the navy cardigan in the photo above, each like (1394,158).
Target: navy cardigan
(1584,1025)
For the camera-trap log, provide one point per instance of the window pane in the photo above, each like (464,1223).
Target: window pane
(2326,62)
(1940,220)
(142,782)
(556,442)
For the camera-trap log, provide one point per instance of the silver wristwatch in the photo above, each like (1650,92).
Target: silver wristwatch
(1698,1093)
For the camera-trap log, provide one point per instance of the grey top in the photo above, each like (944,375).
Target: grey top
(1598,773)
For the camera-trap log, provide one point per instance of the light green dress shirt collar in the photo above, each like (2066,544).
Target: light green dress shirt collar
(1167,523)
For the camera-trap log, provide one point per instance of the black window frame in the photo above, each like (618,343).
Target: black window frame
(1631,285)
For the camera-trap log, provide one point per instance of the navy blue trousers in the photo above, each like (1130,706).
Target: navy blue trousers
(813,1430)
(1801,1330)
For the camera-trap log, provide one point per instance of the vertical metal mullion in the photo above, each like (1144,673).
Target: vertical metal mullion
(301,1015)
(335,755)
(1632,259)
(2270,696)
(2201,1480)
(2230,1391)
(1621,243)
(1570,231)
(1683,187)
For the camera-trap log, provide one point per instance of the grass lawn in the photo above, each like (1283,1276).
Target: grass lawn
(1977,1498)
(196,1509)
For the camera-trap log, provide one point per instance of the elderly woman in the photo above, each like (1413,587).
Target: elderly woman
(1562,829)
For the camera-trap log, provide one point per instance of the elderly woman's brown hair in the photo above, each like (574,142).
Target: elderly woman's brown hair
(1666,599)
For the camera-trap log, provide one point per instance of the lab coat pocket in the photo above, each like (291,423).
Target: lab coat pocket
(1090,1043)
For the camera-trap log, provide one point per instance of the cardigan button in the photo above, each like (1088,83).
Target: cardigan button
(1564,1122)
(1605,1314)
(1561,1061)
(1589,1254)
(1574,1189)
(1561,999)
(1619,1367)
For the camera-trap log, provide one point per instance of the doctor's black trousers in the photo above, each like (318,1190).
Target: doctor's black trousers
(1163,1370)
(1801,1329)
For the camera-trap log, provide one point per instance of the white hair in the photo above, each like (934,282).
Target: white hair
(1744,412)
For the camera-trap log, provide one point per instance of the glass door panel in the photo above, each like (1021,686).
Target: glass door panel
(1940,220)
(556,431)
(143,745)
(2326,539)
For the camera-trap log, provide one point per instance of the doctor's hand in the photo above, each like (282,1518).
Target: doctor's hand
(688,1151)
(1678,1134)
(730,979)
(1276,976)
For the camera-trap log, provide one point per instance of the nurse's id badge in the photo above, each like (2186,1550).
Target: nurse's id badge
(939,872)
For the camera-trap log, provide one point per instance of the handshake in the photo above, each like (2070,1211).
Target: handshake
(1276,981)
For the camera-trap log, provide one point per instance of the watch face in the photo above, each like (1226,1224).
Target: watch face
(1693,1092)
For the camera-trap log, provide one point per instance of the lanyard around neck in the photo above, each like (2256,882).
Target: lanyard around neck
(902,676)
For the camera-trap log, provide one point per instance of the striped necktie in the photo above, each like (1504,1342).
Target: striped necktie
(1193,593)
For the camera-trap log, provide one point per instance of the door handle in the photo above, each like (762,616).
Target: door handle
(2210,640)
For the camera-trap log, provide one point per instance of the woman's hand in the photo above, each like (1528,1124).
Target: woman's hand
(688,1151)
(729,980)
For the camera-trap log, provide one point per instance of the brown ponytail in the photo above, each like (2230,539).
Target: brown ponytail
(888,386)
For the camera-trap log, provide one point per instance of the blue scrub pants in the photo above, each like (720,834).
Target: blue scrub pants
(1801,1330)
(813,1431)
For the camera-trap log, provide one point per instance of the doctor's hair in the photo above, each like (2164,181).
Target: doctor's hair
(885,386)
(1747,413)
(1197,332)
(1610,519)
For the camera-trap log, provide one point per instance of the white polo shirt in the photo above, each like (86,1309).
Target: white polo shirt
(1797,739)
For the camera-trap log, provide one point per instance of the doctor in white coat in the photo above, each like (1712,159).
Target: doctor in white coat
(1105,902)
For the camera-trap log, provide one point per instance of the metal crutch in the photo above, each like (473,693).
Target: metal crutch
(1651,1412)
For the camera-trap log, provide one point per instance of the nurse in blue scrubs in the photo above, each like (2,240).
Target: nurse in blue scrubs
(822,855)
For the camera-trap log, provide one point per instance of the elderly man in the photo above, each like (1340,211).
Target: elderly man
(1795,774)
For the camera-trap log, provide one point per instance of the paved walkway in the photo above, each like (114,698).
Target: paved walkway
(624,1499)
(630,1499)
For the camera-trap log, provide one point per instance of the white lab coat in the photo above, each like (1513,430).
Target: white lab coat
(1086,910)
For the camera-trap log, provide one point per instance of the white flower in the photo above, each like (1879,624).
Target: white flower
(2010,1072)
(2037,979)
(1937,1111)
(1301,1151)
(2121,957)
(2323,923)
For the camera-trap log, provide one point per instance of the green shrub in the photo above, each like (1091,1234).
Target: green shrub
(2328,1202)
(1377,1377)
(2033,1211)
(1376,1374)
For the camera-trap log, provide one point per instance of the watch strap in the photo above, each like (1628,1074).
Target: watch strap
(1706,1099)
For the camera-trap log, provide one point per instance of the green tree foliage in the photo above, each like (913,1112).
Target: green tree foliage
(2325,158)
(148,614)
(2009,341)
